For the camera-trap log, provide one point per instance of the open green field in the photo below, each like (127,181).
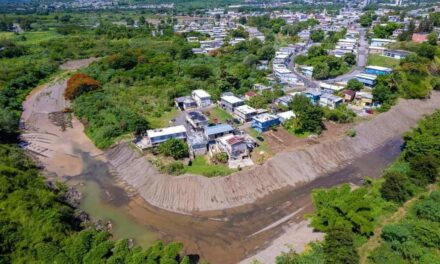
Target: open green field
(200,166)
(382,61)
(219,115)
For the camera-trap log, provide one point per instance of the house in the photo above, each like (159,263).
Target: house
(197,119)
(377,70)
(245,113)
(230,102)
(234,145)
(306,70)
(213,132)
(365,98)
(198,145)
(349,95)
(330,100)
(284,100)
(419,38)
(248,95)
(367,79)
(185,102)
(261,87)
(201,97)
(264,122)
(396,54)
(330,88)
(376,50)
(378,42)
(157,136)
(313,95)
(284,116)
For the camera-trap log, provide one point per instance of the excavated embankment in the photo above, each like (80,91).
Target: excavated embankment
(189,193)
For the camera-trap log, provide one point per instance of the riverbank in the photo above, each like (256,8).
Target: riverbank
(248,217)
(192,193)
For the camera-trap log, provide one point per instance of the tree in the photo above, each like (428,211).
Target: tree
(350,59)
(199,71)
(175,148)
(317,35)
(142,20)
(355,85)
(308,116)
(339,247)
(316,51)
(396,187)
(432,38)
(423,169)
(80,83)
(321,71)
(366,19)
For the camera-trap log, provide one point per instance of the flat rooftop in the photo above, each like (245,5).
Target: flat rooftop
(245,109)
(166,131)
(232,99)
(264,117)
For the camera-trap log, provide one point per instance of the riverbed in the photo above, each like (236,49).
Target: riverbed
(57,140)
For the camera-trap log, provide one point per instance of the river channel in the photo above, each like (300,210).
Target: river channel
(57,140)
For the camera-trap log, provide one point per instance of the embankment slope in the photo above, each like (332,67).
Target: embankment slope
(190,193)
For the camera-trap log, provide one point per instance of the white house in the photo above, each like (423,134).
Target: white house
(284,116)
(201,97)
(157,136)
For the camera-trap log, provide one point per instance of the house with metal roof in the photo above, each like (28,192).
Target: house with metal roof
(330,100)
(367,79)
(377,70)
(215,131)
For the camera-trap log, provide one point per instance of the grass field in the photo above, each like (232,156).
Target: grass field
(382,61)
(219,115)
(200,166)
(164,120)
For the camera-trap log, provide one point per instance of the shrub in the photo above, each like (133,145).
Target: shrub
(78,84)
(175,148)
(396,187)
(221,157)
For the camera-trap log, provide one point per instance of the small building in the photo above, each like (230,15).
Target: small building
(157,136)
(376,50)
(419,38)
(378,42)
(230,102)
(235,146)
(198,145)
(313,95)
(284,116)
(349,95)
(365,98)
(185,102)
(396,54)
(367,79)
(264,122)
(284,100)
(197,120)
(330,88)
(261,87)
(201,97)
(377,70)
(245,113)
(330,100)
(248,95)
(306,70)
(216,131)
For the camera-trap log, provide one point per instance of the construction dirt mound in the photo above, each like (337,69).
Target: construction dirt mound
(189,193)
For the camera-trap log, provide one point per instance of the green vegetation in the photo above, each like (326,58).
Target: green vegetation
(308,117)
(340,114)
(324,66)
(176,148)
(219,115)
(368,221)
(378,60)
(200,166)
(384,31)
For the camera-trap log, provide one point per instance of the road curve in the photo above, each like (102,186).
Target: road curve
(192,193)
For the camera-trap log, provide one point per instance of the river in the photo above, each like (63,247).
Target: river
(57,140)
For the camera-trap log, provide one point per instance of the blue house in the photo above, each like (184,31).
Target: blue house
(313,95)
(367,79)
(264,122)
(213,132)
(377,70)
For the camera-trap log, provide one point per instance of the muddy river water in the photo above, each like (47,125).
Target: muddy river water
(224,236)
